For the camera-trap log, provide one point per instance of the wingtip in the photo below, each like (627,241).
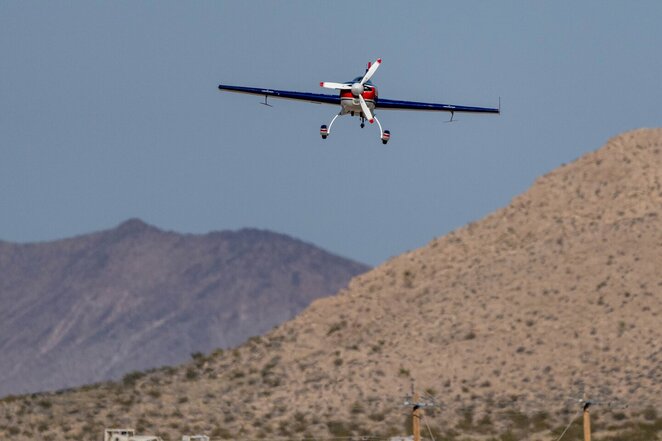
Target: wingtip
(372,121)
(321,83)
(379,60)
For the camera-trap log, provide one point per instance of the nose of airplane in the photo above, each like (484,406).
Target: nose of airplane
(357,89)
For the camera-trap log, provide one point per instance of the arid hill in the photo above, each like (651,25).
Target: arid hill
(501,321)
(95,307)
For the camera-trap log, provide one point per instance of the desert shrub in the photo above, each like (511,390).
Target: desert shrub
(408,279)
(283,428)
(338,429)
(216,353)
(237,373)
(45,403)
(154,393)
(519,420)
(169,371)
(131,378)
(467,419)
(377,417)
(273,381)
(618,416)
(484,424)
(357,408)
(539,421)
(650,413)
(191,374)
(267,368)
(508,436)
(300,424)
(621,328)
(335,327)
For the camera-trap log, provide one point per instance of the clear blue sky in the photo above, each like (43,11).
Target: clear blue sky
(109,110)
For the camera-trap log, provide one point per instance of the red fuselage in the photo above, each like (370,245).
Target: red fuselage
(368,95)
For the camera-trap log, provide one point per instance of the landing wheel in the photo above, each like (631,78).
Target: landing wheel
(386,136)
(362,125)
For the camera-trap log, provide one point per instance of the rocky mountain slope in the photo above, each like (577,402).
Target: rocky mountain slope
(501,321)
(95,307)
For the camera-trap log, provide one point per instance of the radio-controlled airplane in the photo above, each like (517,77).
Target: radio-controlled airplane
(357,98)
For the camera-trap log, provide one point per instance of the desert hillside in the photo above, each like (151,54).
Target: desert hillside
(501,321)
(97,306)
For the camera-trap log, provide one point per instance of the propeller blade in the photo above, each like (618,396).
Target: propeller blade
(371,71)
(366,109)
(339,86)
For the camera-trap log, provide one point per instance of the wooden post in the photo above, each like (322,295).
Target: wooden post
(587,422)
(416,418)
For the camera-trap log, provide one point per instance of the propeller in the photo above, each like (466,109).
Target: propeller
(366,110)
(339,86)
(371,71)
(357,88)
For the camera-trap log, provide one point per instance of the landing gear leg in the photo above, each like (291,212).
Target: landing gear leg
(385,134)
(362,122)
(324,131)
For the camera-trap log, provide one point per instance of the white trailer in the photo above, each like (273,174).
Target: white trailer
(127,435)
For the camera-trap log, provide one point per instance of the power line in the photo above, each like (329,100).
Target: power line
(568,426)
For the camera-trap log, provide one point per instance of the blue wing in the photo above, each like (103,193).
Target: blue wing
(414,105)
(286,94)
(381,103)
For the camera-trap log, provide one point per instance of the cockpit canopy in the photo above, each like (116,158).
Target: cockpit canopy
(358,80)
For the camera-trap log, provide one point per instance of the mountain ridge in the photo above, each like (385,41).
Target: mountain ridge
(137,282)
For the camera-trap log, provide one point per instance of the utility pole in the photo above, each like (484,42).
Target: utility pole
(417,406)
(586,404)
(587,421)
(416,418)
